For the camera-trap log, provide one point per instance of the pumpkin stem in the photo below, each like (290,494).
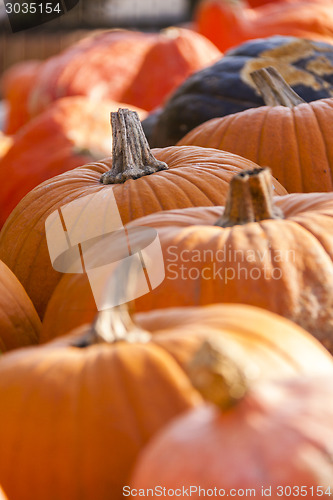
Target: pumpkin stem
(250,199)
(274,89)
(116,324)
(131,155)
(221,372)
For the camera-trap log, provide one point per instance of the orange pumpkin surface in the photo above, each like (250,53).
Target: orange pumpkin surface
(291,136)
(142,68)
(195,177)
(228,24)
(73,131)
(274,441)
(16,84)
(19,323)
(98,395)
(271,252)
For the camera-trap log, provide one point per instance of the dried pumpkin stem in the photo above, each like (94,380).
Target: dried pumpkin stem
(221,372)
(274,89)
(131,155)
(250,199)
(116,324)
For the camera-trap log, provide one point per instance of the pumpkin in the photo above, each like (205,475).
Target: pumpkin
(271,252)
(227,87)
(73,131)
(103,391)
(227,24)
(196,176)
(16,84)
(289,135)
(19,323)
(142,68)
(273,439)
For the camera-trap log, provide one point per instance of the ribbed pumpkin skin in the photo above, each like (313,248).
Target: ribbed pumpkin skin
(277,345)
(99,405)
(84,414)
(16,84)
(280,434)
(284,266)
(141,69)
(19,323)
(226,87)
(227,25)
(196,177)
(294,142)
(72,132)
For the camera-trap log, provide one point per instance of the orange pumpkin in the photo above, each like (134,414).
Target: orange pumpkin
(289,135)
(274,439)
(98,395)
(19,323)
(271,252)
(196,176)
(228,24)
(73,131)
(16,84)
(141,69)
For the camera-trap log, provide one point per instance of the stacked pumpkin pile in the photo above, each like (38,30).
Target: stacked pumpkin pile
(218,380)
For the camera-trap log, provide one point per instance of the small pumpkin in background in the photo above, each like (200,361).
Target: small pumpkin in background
(138,182)
(109,387)
(274,252)
(227,24)
(72,132)
(273,439)
(227,87)
(126,66)
(16,84)
(19,323)
(289,135)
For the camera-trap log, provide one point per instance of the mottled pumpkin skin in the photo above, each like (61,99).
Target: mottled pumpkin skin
(226,87)
(279,434)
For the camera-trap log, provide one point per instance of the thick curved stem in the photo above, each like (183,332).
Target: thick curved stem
(221,372)
(250,199)
(274,89)
(131,155)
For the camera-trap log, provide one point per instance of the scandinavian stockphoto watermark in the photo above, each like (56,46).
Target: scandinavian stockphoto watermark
(88,236)
(227,263)
(25,14)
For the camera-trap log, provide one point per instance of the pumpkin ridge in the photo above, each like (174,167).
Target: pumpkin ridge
(322,135)
(297,146)
(191,182)
(27,316)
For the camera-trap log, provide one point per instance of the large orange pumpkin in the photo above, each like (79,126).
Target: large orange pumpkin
(195,177)
(16,84)
(73,131)
(289,135)
(273,440)
(97,396)
(272,252)
(229,24)
(127,66)
(19,323)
